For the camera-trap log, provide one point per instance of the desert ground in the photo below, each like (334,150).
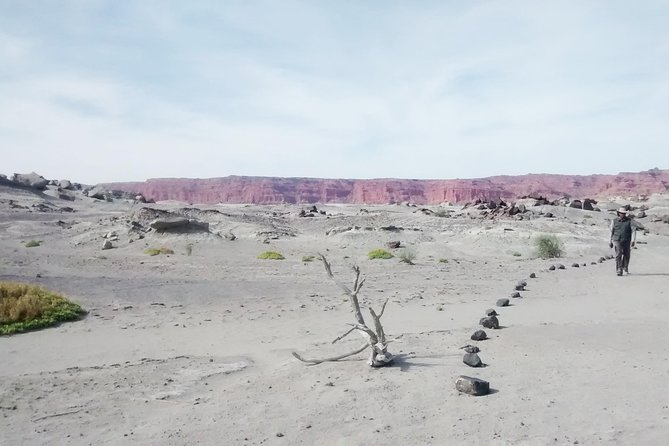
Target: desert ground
(196,347)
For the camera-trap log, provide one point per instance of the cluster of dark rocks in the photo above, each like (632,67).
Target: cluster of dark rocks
(311,212)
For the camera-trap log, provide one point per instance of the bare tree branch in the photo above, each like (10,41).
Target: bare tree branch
(333,358)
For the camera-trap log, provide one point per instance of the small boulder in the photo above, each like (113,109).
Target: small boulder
(515,295)
(551,268)
(479,335)
(575,265)
(472,360)
(490,312)
(107,245)
(472,386)
(503,302)
(394,244)
(65,184)
(519,287)
(533,276)
(576,204)
(602,259)
(561,266)
(490,322)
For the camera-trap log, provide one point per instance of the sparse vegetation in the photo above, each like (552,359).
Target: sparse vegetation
(516,254)
(440,307)
(25,307)
(308,258)
(548,247)
(189,249)
(271,255)
(157,251)
(407,256)
(379,254)
(442,260)
(33,243)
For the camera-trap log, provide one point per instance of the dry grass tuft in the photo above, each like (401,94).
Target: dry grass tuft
(25,307)
(157,251)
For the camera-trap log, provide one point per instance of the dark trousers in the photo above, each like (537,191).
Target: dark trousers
(622,255)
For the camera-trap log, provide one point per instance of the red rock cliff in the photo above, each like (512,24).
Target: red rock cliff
(266,190)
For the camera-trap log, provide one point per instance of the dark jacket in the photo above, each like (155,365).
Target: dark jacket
(621,231)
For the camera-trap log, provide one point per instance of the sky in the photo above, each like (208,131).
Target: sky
(121,90)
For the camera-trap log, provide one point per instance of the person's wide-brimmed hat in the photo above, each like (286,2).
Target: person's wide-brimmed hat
(622,211)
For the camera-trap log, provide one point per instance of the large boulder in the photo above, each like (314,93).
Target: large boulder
(178,224)
(31,180)
(588,204)
(576,204)
(99,193)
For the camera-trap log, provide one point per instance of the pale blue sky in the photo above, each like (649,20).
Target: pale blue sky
(99,91)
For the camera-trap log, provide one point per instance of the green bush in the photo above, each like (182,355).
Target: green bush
(516,254)
(442,260)
(33,243)
(26,307)
(379,254)
(271,255)
(548,247)
(308,258)
(157,251)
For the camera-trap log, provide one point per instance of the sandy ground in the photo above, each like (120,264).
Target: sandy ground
(196,349)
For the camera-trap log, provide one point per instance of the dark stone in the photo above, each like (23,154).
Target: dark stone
(472,360)
(533,276)
(503,302)
(515,295)
(549,215)
(576,204)
(551,268)
(393,245)
(593,263)
(479,335)
(561,266)
(522,283)
(472,386)
(575,265)
(519,287)
(490,312)
(490,322)
(602,259)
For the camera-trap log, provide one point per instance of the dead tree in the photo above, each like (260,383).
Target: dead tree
(375,339)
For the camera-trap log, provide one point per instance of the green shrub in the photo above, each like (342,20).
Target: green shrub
(26,307)
(308,258)
(407,256)
(442,260)
(379,254)
(271,255)
(516,254)
(157,251)
(548,247)
(33,243)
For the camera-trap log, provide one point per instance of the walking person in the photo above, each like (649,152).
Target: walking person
(623,237)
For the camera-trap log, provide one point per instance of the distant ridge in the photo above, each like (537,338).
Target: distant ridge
(275,190)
